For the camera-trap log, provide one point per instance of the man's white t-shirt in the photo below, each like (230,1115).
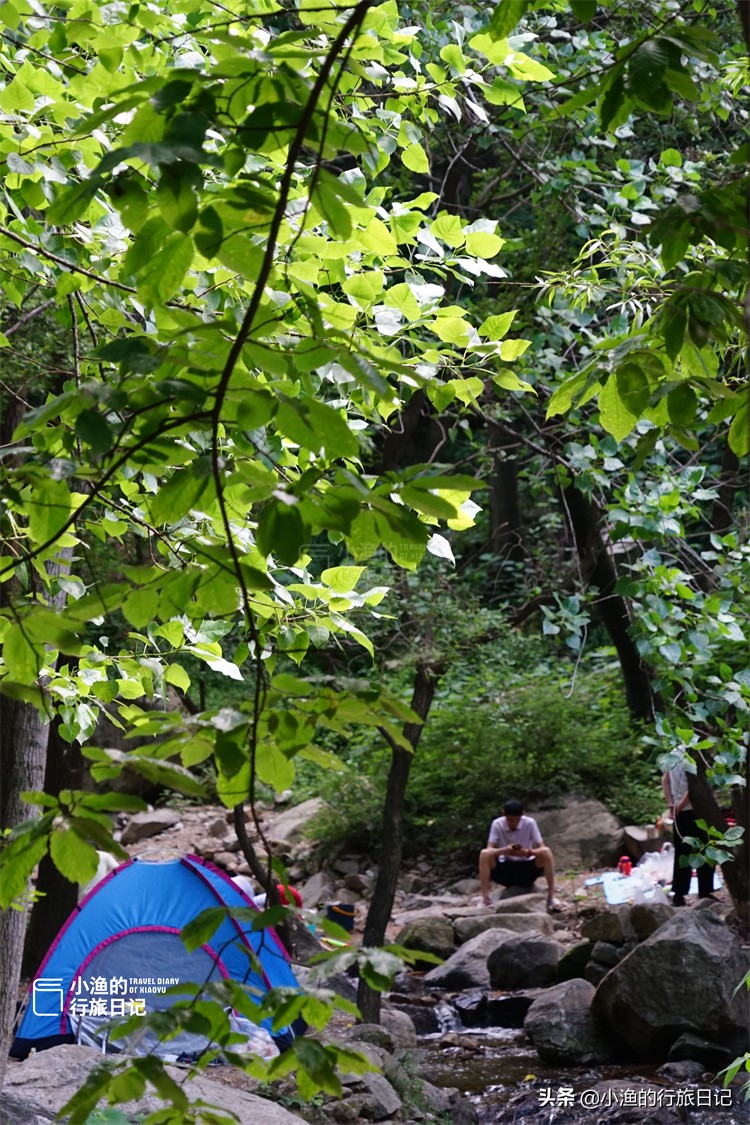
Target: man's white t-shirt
(527,834)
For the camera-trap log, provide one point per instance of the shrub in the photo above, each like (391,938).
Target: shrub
(533,741)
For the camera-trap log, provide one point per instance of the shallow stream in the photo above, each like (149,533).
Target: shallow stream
(502,1075)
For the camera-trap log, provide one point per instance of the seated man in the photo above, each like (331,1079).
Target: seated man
(516,855)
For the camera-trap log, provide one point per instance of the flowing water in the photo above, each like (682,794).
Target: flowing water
(502,1075)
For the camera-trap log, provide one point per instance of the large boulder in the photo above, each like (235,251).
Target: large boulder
(467,967)
(610,925)
(291,825)
(467,928)
(582,834)
(433,934)
(50,1078)
(525,961)
(563,1029)
(647,917)
(522,902)
(144,824)
(681,979)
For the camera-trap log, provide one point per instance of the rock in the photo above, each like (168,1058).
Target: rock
(422,1015)
(562,1028)
(362,884)
(471,1008)
(681,979)
(433,934)
(144,824)
(647,917)
(522,902)
(446,1104)
(467,967)
(611,925)
(216,827)
(375,1033)
(410,884)
(524,961)
(639,839)
(379,1101)
(510,1011)
(19,1111)
(347,865)
(467,928)
(582,833)
(687,1070)
(447,903)
(291,825)
(465,887)
(400,1025)
(317,890)
(604,953)
(227,860)
(574,960)
(712,1056)
(50,1078)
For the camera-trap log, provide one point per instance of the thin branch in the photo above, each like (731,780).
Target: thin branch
(37,311)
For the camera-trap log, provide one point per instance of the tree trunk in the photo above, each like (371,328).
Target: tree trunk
(504,507)
(425,682)
(23,751)
(736,872)
(65,770)
(598,569)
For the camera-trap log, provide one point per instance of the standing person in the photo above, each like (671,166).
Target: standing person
(675,786)
(516,855)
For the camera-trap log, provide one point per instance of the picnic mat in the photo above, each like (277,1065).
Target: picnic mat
(619,889)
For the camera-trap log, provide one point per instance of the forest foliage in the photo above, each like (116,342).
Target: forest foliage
(243,247)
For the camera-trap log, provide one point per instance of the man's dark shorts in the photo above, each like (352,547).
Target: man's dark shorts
(515,872)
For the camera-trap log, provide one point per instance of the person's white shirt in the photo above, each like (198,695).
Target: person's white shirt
(526,834)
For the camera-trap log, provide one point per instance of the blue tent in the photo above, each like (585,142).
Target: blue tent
(120,950)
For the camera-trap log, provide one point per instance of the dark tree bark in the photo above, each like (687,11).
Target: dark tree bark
(425,682)
(504,507)
(65,770)
(730,482)
(416,437)
(736,872)
(598,569)
(23,752)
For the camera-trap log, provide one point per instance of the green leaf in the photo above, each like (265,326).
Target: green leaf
(495,327)
(483,244)
(73,203)
(506,16)
(176,198)
(633,388)
(583,10)
(200,931)
(281,532)
(49,506)
(415,159)
(682,404)
(613,101)
(95,431)
(162,275)
(73,856)
(176,674)
(614,415)
(739,431)
(342,579)
(647,64)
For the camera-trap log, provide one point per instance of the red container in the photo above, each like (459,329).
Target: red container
(625,865)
